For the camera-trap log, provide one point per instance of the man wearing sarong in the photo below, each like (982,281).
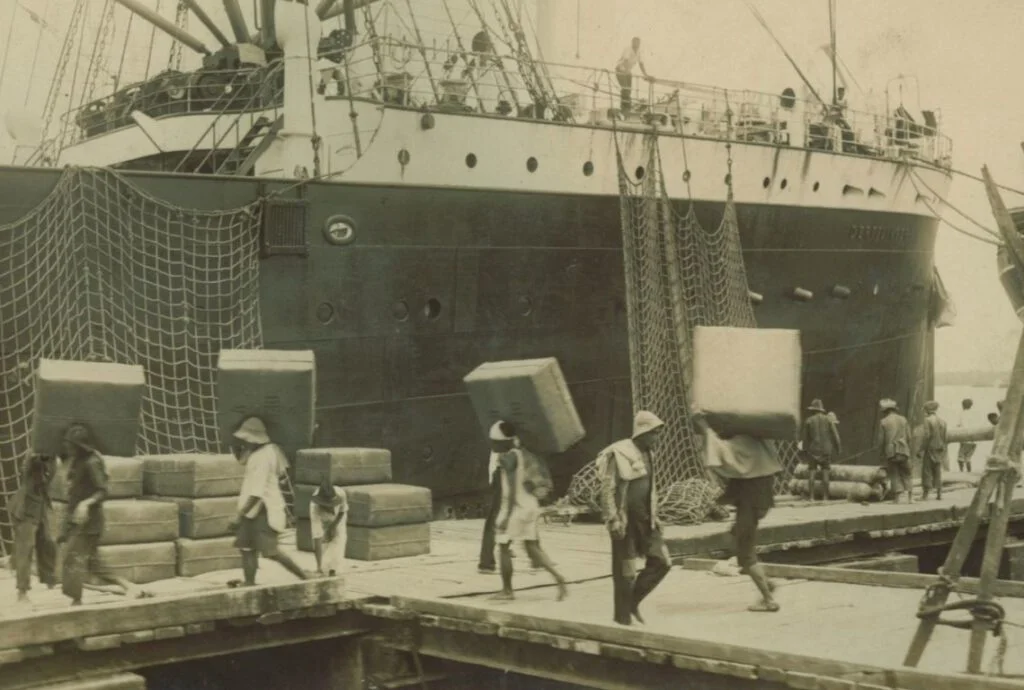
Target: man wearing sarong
(893,440)
(629,508)
(933,446)
(261,506)
(525,482)
(31,511)
(820,439)
(83,528)
(747,465)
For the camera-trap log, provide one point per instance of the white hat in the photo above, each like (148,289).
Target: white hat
(253,431)
(887,404)
(645,422)
(497,434)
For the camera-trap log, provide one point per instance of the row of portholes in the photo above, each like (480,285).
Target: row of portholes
(799,294)
(400,310)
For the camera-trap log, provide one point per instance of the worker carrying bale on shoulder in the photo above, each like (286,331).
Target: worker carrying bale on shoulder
(747,465)
(261,505)
(629,506)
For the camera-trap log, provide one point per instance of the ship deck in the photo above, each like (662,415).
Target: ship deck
(838,628)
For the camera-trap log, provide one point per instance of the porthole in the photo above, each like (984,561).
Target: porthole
(588,168)
(531,164)
(400,310)
(525,306)
(432,309)
(404,157)
(874,290)
(816,185)
(640,172)
(427,453)
(784,183)
(471,160)
(686,176)
(340,230)
(766,183)
(325,312)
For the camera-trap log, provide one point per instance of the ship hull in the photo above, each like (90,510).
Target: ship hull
(439,280)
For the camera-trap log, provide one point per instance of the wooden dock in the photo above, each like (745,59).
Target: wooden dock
(838,628)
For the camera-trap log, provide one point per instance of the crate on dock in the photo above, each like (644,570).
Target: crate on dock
(380,505)
(533,395)
(278,386)
(381,543)
(747,380)
(107,397)
(343,466)
(124,479)
(141,563)
(192,475)
(130,521)
(198,556)
(203,518)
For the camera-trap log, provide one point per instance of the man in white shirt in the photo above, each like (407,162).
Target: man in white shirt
(261,507)
(624,72)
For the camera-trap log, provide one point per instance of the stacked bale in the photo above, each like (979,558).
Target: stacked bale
(138,540)
(202,492)
(384,520)
(846,482)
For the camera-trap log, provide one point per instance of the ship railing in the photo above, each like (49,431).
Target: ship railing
(172,94)
(396,72)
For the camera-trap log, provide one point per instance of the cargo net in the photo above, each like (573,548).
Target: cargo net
(100,270)
(678,276)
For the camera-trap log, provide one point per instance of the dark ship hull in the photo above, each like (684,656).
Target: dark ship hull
(439,280)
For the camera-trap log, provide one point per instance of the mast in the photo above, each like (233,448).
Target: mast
(167,27)
(237,20)
(832,44)
(206,21)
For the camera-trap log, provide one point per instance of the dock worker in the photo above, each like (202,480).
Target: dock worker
(894,441)
(933,446)
(820,441)
(629,506)
(967,448)
(261,507)
(747,465)
(83,527)
(328,521)
(31,511)
(525,482)
(631,57)
(502,438)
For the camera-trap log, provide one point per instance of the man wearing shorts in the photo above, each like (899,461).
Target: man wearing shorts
(821,444)
(524,483)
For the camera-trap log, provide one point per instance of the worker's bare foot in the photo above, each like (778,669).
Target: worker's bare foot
(563,592)
(503,596)
(764,606)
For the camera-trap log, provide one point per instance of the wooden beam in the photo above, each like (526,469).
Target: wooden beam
(122,681)
(869,578)
(599,634)
(224,641)
(43,627)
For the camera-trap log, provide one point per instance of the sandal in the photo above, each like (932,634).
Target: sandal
(764,607)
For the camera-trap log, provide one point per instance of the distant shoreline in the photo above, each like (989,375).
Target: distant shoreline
(980,379)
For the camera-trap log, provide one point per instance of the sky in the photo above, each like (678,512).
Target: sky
(961,59)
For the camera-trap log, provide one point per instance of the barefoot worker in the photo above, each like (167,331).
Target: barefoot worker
(629,507)
(747,465)
(328,522)
(525,482)
(31,512)
(83,529)
(261,504)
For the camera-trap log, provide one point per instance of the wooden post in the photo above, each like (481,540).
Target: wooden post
(1001,473)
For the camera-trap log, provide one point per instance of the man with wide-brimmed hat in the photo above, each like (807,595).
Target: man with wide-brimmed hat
(328,520)
(933,447)
(893,440)
(261,506)
(820,441)
(83,528)
(629,505)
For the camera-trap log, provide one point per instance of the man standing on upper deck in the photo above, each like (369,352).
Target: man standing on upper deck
(629,506)
(631,57)
(967,448)
(820,440)
(933,450)
(894,441)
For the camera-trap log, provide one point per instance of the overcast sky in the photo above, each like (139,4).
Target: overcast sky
(965,56)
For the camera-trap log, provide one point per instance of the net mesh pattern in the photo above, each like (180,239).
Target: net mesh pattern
(100,270)
(678,276)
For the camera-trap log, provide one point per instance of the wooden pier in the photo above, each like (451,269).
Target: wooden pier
(838,627)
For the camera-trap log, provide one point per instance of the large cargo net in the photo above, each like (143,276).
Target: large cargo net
(101,270)
(678,276)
